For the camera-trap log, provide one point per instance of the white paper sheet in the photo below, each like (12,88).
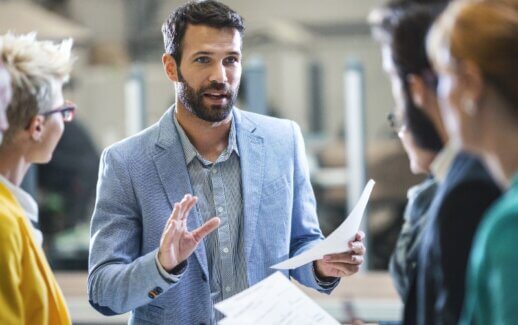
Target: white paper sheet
(337,241)
(275,300)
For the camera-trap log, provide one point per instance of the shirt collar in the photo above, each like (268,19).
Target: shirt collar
(190,151)
(442,162)
(28,205)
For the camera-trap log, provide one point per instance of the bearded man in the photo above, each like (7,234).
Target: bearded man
(237,184)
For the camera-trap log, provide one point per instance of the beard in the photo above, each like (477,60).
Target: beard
(192,99)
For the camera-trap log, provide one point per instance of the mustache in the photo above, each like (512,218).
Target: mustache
(217,86)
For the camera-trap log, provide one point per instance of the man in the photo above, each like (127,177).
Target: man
(247,170)
(465,190)
(5,98)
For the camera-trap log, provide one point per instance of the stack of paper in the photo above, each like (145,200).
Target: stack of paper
(275,300)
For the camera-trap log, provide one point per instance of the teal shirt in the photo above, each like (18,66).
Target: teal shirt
(492,287)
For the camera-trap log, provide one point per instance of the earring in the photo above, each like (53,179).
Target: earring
(469,106)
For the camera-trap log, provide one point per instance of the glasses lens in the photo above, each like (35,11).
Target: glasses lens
(395,122)
(68,114)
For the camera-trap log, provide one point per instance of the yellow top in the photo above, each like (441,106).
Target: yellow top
(29,293)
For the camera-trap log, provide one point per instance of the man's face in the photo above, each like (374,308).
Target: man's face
(5,98)
(209,72)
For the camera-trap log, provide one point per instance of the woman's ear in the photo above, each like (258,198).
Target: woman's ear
(473,81)
(35,128)
(170,67)
(418,90)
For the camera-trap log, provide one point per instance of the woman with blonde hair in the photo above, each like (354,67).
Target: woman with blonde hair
(29,293)
(474,48)
(5,98)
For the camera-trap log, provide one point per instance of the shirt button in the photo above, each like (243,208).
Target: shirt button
(225,250)
(220,209)
(227,289)
(214,171)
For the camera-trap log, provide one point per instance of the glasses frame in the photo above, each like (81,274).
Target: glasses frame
(396,124)
(67,111)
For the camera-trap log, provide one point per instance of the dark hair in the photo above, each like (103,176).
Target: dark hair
(403,25)
(209,12)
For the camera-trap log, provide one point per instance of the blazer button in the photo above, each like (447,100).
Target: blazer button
(155,292)
(204,277)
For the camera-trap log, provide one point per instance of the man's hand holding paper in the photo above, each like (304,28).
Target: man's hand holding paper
(341,253)
(342,264)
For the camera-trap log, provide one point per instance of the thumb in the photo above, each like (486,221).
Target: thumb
(206,229)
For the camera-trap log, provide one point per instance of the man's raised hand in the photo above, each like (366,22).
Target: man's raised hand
(177,243)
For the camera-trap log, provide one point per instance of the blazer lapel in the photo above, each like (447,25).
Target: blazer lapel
(169,160)
(251,152)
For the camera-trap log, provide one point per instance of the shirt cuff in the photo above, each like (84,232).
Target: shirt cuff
(175,274)
(327,282)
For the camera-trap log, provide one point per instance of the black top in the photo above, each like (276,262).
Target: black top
(436,293)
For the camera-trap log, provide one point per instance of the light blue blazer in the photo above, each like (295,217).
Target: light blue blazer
(140,179)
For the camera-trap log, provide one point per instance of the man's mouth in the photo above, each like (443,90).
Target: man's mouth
(216,95)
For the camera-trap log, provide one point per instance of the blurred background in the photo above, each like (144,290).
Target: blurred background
(312,61)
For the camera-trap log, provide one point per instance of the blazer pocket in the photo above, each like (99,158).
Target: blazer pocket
(150,314)
(274,187)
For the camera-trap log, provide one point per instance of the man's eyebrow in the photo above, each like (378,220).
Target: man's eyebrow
(202,53)
(211,53)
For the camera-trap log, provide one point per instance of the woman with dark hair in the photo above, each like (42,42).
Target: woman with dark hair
(474,47)
(400,28)
(435,265)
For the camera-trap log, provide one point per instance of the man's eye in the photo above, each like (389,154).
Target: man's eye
(202,59)
(231,60)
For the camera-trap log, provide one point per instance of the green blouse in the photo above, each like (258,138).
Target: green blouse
(492,287)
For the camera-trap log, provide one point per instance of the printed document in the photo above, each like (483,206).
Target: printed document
(275,300)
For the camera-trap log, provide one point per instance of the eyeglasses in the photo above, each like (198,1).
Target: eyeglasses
(396,123)
(66,110)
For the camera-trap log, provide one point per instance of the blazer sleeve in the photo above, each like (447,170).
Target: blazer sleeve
(119,279)
(305,230)
(12,309)
(460,217)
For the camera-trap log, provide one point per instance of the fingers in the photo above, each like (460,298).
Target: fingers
(357,247)
(206,229)
(181,209)
(348,258)
(186,205)
(338,269)
(360,236)
(177,219)
(190,203)
(168,236)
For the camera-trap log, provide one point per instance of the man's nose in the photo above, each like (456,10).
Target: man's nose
(218,74)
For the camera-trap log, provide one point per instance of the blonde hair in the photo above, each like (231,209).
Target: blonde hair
(33,66)
(484,32)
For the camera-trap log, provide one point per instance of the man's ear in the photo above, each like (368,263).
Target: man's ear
(170,67)
(418,90)
(36,127)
